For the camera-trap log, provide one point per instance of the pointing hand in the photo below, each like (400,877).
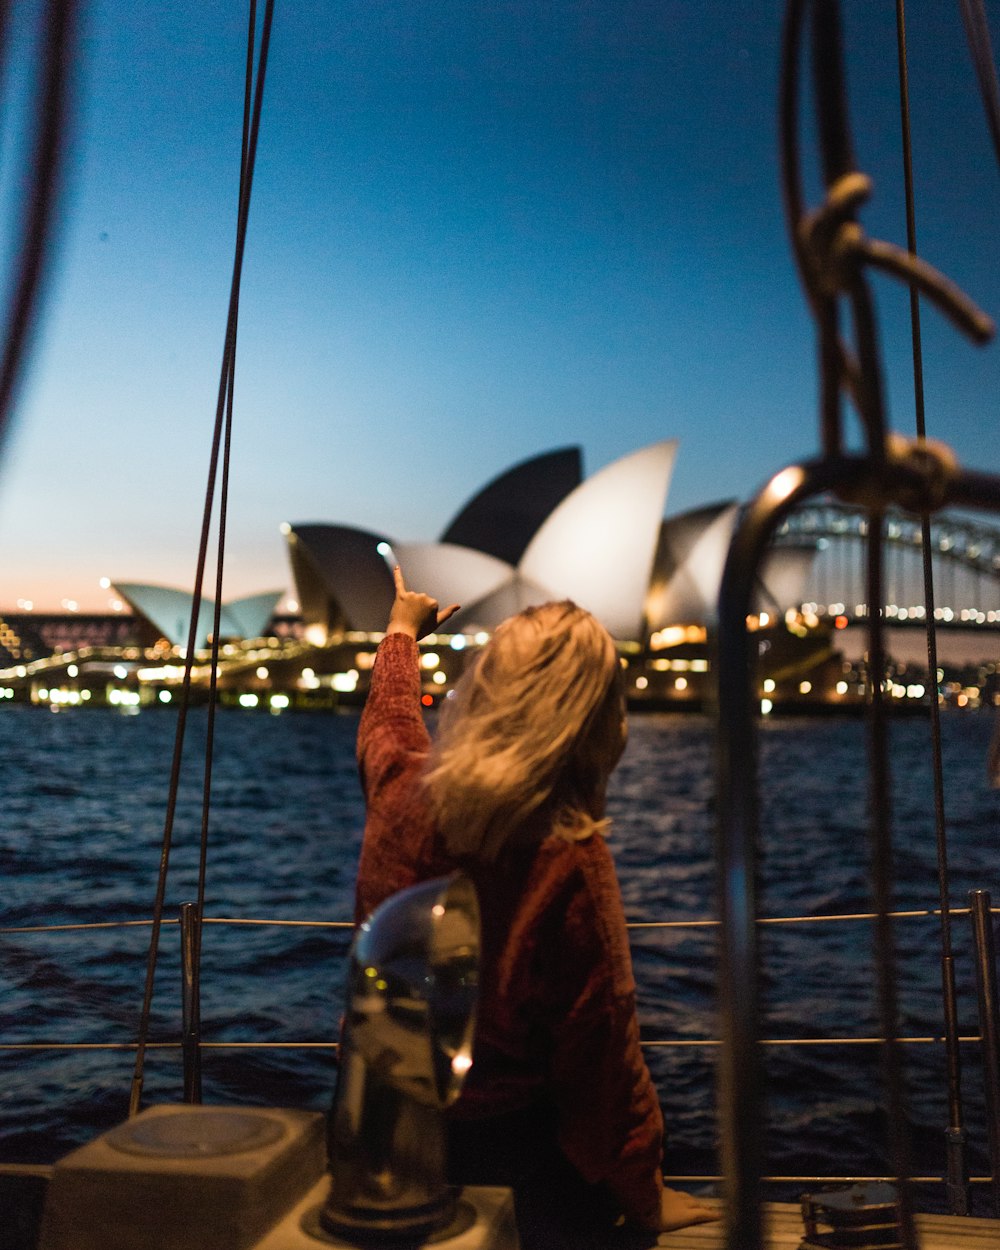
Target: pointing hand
(413,613)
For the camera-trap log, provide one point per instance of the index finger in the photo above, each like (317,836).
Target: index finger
(397,575)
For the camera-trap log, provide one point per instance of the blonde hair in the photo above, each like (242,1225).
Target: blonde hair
(533,730)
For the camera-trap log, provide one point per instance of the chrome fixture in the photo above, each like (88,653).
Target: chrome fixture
(405,1050)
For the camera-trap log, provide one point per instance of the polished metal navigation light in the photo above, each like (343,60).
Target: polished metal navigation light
(405,1051)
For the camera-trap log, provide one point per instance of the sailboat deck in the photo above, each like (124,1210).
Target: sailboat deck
(783,1231)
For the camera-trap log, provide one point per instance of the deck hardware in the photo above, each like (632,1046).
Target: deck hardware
(989,1026)
(412,987)
(858,1217)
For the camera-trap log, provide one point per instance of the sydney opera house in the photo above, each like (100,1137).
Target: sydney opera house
(537,532)
(541,530)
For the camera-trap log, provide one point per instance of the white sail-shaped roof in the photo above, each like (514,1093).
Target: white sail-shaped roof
(450,573)
(169,611)
(516,594)
(246,618)
(341,577)
(597,546)
(692,552)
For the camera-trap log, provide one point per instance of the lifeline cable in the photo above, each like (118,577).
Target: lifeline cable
(228,356)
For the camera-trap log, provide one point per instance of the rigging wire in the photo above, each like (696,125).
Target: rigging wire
(60,24)
(229,367)
(958,1194)
(247,167)
(977,32)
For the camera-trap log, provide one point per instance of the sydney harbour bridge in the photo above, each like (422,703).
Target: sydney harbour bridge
(965,563)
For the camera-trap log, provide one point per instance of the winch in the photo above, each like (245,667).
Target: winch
(856,1217)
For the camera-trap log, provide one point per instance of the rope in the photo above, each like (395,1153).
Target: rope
(59,32)
(247,167)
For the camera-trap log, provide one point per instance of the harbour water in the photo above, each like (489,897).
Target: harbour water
(81,817)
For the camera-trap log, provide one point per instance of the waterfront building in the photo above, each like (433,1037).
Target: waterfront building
(540,530)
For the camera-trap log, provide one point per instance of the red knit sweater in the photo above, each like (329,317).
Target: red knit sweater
(556,1017)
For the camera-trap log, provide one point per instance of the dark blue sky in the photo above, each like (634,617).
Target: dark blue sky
(479,231)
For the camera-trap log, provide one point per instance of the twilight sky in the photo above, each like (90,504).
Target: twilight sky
(479,230)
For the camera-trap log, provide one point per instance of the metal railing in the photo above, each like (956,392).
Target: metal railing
(191,1043)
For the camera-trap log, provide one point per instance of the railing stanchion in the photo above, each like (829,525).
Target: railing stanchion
(989,1026)
(190,1003)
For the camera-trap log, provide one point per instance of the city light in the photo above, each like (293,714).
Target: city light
(123,698)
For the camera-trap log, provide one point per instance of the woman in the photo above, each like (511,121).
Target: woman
(559,1103)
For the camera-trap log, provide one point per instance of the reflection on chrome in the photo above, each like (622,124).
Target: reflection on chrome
(406,1048)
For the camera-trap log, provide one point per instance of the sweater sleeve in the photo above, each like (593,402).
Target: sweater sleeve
(392,748)
(391,726)
(610,1122)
